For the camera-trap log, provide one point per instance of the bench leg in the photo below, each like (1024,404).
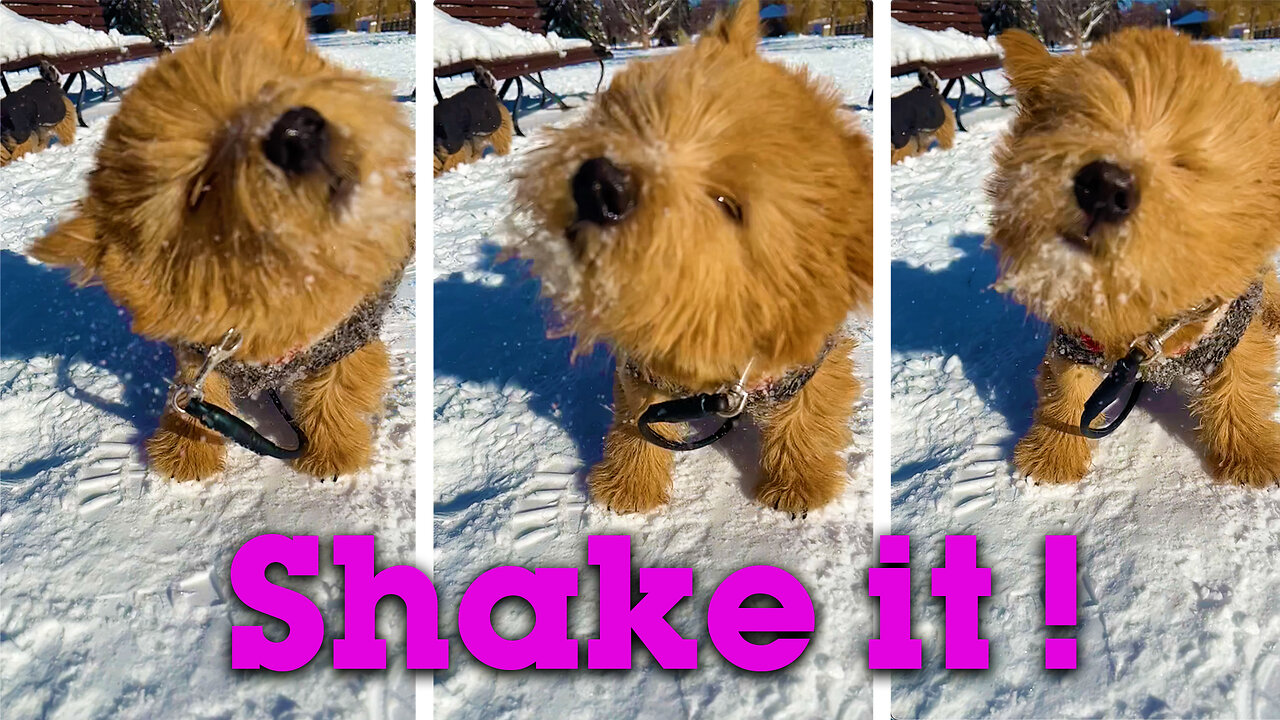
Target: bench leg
(959,101)
(107,88)
(542,101)
(988,93)
(4,82)
(435,85)
(515,108)
(547,93)
(601,78)
(84,87)
(515,104)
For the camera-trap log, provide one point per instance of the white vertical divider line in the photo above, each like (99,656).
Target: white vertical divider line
(882,412)
(424,335)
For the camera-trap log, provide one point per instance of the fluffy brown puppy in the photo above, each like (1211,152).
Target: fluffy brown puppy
(248,183)
(710,216)
(1139,185)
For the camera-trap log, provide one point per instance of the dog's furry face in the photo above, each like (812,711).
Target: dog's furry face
(248,183)
(1199,146)
(747,231)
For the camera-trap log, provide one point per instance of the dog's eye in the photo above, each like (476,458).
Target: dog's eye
(731,207)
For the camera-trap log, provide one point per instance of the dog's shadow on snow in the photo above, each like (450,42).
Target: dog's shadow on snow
(495,333)
(954,312)
(43,316)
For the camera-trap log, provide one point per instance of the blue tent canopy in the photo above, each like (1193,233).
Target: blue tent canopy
(1196,17)
(773,11)
(322,9)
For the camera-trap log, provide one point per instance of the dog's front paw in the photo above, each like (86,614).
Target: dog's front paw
(801,489)
(329,457)
(180,457)
(1257,465)
(628,491)
(1052,456)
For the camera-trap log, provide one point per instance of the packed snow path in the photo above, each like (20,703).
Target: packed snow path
(116,601)
(1179,592)
(517,426)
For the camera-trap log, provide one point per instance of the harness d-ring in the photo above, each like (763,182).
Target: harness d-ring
(1123,373)
(188,399)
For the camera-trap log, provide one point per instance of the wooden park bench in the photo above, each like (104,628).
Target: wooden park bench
(77,64)
(939,15)
(525,15)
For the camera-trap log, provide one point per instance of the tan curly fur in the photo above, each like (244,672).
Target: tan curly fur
(1204,147)
(189,226)
(686,290)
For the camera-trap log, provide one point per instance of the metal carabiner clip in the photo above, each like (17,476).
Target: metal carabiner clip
(217,354)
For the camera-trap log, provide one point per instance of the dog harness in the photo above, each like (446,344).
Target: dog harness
(1147,362)
(361,327)
(728,404)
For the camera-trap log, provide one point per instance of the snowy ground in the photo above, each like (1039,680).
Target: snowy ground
(1179,587)
(116,601)
(516,427)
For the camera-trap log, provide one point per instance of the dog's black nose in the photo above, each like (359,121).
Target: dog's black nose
(602,192)
(1106,192)
(298,142)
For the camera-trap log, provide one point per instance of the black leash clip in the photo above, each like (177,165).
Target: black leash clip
(1123,373)
(728,405)
(188,399)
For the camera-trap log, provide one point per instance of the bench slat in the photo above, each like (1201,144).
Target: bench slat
(467,13)
(515,67)
(940,15)
(950,6)
(951,68)
(534,25)
(75,62)
(976,30)
(59,3)
(913,17)
(486,3)
(57,12)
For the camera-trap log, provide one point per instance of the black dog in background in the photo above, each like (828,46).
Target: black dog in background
(469,122)
(33,114)
(920,116)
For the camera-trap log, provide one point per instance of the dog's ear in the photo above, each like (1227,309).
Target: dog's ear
(72,244)
(1026,61)
(740,29)
(275,22)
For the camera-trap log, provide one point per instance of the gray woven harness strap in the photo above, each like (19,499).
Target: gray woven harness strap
(1196,364)
(772,394)
(360,328)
